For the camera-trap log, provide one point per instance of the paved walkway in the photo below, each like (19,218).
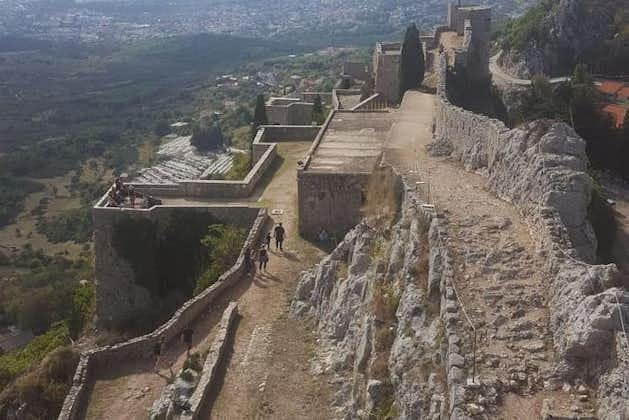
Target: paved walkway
(269,347)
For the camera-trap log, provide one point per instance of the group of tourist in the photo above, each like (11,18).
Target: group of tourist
(122,195)
(262,254)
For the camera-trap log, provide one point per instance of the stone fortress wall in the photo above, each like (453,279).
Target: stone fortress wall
(541,169)
(289,111)
(118,295)
(470,22)
(98,360)
(386,64)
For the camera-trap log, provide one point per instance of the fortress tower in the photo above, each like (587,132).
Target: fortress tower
(474,24)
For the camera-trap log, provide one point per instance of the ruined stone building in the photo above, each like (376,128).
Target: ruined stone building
(465,37)
(386,65)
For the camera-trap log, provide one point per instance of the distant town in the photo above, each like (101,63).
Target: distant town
(92,21)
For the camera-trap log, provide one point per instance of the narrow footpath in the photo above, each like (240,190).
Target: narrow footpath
(268,372)
(499,276)
(271,353)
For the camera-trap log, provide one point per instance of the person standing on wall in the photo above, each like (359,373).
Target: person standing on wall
(279,237)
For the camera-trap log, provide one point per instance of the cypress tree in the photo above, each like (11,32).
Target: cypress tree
(412,68)
(317,110)
(259,114)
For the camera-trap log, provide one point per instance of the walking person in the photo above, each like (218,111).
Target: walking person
(279,237)
(186,334)
(267,239)
(248,261)
(263,257)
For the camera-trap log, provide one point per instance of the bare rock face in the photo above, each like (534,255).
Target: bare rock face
(572,31)
(543,165)
(338,294)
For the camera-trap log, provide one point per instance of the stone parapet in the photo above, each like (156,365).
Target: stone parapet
(199,398)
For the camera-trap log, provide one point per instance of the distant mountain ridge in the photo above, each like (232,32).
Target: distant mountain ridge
(555,35)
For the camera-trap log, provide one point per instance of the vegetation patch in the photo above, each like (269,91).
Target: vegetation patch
(71,225)
(223,245)
(167,261)
(40,393)
(15,363)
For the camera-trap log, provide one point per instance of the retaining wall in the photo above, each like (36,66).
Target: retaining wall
(92,362)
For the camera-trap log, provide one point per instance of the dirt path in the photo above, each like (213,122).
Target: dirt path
(268,372)
(269,348)
(499,276)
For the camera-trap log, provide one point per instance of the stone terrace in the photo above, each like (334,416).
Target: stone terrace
(351,143)
(179,160)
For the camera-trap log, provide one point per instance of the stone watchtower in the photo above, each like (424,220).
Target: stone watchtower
(474,24)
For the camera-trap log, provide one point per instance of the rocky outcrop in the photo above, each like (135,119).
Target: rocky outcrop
(570,31)
(338,294)
(409,268)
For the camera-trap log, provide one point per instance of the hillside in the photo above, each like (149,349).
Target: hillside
(553,36)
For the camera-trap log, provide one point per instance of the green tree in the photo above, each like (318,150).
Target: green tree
(223,244)
(318,114)
(259,113)
(412,65)
(207,137)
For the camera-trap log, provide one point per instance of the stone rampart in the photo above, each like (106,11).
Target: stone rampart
(541,169)
(118,295)
(289,111)
(95,361)
(326,97)
(320,197)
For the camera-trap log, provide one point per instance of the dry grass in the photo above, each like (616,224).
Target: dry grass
(383,197)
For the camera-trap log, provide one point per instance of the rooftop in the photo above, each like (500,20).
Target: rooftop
(351,143)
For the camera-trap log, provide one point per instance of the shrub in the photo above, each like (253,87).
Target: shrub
(41,392)
(224,244)
(193,362)
(17,362)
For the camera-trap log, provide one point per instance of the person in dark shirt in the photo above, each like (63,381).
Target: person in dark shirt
(186,334)
(279,236)
(248,261)
(263,257)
